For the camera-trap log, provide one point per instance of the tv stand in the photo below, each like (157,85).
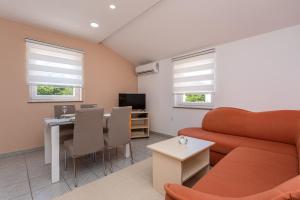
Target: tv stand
(139,124)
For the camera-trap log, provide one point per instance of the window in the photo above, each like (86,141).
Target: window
(54,73)
(194,80)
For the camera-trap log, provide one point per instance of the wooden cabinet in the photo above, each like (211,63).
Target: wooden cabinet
(139,124)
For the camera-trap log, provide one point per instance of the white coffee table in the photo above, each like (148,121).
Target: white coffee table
(175,163)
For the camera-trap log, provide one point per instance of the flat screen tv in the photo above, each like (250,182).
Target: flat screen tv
(137,101)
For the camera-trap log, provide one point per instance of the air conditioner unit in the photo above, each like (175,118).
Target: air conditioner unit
(147,69)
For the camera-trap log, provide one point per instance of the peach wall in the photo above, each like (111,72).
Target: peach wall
(21,123)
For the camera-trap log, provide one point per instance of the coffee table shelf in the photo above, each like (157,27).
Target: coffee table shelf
(175,163)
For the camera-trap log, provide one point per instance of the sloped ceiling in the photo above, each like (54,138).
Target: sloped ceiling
(74,16)
(149,30)
(172,27)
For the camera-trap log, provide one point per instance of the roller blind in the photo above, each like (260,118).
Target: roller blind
(194,73)
(53,65)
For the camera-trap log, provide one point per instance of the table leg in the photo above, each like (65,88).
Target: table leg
(47,143)
(165,170)
(55,154)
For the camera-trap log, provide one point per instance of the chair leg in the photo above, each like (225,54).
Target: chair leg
(116,152)
(65,160)
(75,173)
(130,148)
(109,158)
(103,162)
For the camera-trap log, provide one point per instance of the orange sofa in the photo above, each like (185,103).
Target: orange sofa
(256,156)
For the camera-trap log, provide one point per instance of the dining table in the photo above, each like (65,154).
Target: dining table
(52,142)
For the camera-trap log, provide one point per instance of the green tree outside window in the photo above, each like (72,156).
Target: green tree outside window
(54,90)
(194,98)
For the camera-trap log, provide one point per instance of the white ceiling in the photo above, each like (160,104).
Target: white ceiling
(74,16)
(176,26)
(148,30)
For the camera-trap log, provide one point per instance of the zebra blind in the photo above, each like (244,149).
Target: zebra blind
(52,65)
(194,73)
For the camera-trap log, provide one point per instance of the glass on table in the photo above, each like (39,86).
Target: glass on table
(64,110)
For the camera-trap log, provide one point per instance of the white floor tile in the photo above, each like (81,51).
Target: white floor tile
(17,171)
(13,191)
(51,191)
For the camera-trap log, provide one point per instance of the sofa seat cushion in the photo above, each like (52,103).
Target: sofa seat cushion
(289,189)
(246,171)
(226,143)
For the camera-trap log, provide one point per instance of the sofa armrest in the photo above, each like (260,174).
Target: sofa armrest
(289,190)
(179,192)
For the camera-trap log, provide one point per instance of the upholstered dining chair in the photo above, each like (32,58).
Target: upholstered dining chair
(118,132)
(91,106)
(66,131)
(88,137)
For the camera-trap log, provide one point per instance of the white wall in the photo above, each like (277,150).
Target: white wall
(257,73)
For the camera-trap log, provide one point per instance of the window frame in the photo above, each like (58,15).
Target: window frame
(34,97)
(179,102)
(33,87)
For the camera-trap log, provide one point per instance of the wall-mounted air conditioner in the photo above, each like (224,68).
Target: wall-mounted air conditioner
(147,69)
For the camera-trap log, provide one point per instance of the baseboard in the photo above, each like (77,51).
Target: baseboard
(21,152)
(162,134)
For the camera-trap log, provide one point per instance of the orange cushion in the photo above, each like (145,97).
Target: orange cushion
(226,143)
(275,147)
(179,192)
(246,171)
(279,126)
(295,195)
(290,185)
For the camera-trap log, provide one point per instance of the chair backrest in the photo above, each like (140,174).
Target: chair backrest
(279,126)
(119,126)
(88,106)
(58,110)
(88,131)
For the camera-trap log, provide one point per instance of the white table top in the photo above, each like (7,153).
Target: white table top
(172,148)
(63,121)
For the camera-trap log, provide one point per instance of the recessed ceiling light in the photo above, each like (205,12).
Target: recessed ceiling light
(94,25)
(112,6)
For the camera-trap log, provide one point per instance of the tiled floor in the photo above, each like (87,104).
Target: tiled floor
(26,177)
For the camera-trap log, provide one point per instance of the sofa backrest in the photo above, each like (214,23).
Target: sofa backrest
(280,126)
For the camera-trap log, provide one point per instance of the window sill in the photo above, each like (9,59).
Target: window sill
(194,107)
